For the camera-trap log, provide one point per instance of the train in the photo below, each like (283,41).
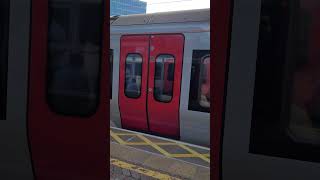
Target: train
(160,75)
(266,105)
(57,67)
(53,122)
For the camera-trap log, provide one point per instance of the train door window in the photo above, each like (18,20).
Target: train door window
(133,75)
(111,70)
(164,77)
(286,114)
(199,95)
(74,53)
(4,33)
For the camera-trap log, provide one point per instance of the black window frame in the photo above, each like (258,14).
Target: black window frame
(4,40)
(197,55)
(273,91)
(52,107)
(154,77)
(111,71)
(125,75)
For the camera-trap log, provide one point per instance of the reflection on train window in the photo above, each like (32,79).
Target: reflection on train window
(199,96)
(74,53)
(111,70)
(133,75)
(286,114)
(164,77)
(4,33)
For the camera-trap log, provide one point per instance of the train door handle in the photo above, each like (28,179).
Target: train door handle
(150,90)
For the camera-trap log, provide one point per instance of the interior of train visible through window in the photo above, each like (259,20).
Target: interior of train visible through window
(133,75)
(164,78)
(4,33)
(286,115)
(199,96)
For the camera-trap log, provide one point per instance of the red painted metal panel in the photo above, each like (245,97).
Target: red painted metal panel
(63,147)
(164,116)
(221,13)
(133,110)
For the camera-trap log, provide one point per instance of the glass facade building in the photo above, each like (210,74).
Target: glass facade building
(126,7)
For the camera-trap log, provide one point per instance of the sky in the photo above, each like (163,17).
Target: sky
(175,5)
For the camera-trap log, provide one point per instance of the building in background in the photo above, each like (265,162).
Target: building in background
(126,7)
(175,5)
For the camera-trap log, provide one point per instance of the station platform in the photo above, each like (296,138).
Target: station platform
(136,155)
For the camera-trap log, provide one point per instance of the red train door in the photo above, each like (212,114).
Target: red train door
(165,71)
(133,82)
(150,78)
(67,108)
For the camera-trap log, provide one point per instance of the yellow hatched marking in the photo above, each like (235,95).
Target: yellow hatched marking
(183,155)
(187,155)
(124,134)
(136,143)
(120,141)
(146,144)
(194,152)
(154,145)
(165,144)
(140,170)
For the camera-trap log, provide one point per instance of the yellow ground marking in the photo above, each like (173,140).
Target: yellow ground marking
(187,155)
(165,144)
(136,143)
(140,170)
(195,153)
(156,145)
(120,141)
(184,156)
(144,143)
(125,134)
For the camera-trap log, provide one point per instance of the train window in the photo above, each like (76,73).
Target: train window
(286,115)
(4,33)
(74,53)
(133,75)
(199,95)
(164,77)
(111,70)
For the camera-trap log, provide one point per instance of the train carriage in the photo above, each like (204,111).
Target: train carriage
(160,74)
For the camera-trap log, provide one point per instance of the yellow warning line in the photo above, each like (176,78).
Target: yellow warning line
(184,156)
(140,170)
(144,144)
(125,134)
(165,144)
(187,155)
